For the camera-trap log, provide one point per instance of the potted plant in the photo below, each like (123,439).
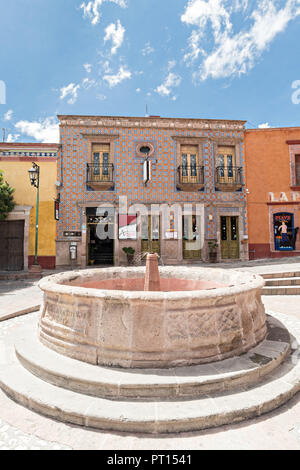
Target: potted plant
(212,251)
(129,253)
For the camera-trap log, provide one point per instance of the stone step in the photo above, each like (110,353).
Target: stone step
(176,383)
(281,290)
(160,416)
(283,281)
(284,274)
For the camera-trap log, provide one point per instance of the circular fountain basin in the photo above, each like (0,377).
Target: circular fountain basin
(103,316)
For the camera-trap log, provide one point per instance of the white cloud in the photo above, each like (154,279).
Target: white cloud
(119,77)
(170,82)
(88,83)
(88,68)
(12,137)
(45,131)
(100,97)
(148,49)
(171,64)
(70,90)
(8,115)
(138,90)
(234,53)
(115,33)
(264,125)
(91,9)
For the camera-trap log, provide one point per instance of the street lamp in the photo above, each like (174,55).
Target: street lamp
(34,175)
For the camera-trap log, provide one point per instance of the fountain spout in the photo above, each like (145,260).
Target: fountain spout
(152,278)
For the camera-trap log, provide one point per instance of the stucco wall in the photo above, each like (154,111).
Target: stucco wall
(16,173)
(268,170)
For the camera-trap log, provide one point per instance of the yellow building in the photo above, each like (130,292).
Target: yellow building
(17,233)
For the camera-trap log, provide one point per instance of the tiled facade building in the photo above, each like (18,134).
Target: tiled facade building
(195,164)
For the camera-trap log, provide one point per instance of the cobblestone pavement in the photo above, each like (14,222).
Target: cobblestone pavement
(12,438)
(18,295)
(21,428)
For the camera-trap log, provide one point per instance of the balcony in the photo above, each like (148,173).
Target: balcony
(100,177)
(228,178)
(190,178)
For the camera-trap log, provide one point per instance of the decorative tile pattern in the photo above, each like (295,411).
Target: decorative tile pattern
(128,173)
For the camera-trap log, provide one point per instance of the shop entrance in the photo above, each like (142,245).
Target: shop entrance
(100,239)
(284,232)
(230,237)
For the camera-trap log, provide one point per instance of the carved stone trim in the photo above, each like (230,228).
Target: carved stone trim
(164,123)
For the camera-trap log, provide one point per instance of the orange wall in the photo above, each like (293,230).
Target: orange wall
(267,170)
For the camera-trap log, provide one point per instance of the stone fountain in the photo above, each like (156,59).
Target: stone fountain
(158,350)
(123,318)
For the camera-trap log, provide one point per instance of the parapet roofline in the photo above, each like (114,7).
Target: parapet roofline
(270,129)
(150,118)
(20,145)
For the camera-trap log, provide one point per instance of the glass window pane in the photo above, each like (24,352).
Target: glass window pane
(144,227)
(223,229)
(233,228)
(155,227)
(105,164)
(193,165)
(96,160)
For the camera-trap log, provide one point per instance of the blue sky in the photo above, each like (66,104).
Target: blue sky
(223,59)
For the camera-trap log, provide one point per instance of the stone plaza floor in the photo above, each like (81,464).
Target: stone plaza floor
(21,428)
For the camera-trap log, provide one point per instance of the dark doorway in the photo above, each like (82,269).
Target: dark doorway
(12,245)
(99,251)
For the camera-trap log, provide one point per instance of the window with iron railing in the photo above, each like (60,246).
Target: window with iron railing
(100,173)
(227,172)
(100,160)
(189,170)
(190,174)
(229,175)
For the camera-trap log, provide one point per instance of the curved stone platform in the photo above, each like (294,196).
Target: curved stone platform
(160,415)
(181,382)
(136,329)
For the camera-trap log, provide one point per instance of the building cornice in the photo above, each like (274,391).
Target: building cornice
(21,145)
(150,122)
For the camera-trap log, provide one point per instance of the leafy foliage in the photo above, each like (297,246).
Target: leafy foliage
(7,202)
(129,250)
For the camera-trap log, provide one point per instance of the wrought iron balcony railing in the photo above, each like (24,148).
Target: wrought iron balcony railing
(231,175)
(191,174)
(100,173)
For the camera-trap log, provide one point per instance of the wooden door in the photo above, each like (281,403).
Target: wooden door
(12,245)
(150,234)
(191,236)
(230,237)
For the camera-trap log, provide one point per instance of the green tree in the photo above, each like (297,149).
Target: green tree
(7,202)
